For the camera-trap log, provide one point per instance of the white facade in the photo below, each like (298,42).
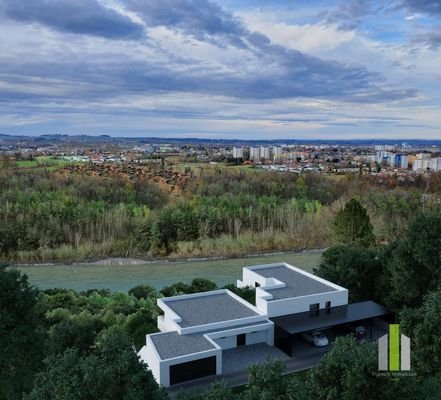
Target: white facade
(265,301)
(427,164)
(237,152)
(255,154)
(277,154)
(264,152)
(404,162)
(218,329)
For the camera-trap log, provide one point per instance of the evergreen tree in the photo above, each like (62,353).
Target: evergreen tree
(352,225)
(423,326)
(355,268)
(21,334)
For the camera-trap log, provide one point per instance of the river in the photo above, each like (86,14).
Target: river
(156,274)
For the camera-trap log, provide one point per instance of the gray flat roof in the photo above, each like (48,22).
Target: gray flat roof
(208,309)
(297,284)
(172,344)
(305,321)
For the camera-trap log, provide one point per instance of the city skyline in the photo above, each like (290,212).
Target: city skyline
(243,69)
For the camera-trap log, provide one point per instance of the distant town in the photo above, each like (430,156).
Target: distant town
(128,154)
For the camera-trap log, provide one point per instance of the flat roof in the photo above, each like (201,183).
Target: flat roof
(172,344)
(297,283)
(208,308)
(305,321)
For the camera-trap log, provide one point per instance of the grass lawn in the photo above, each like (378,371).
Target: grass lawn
(41,161)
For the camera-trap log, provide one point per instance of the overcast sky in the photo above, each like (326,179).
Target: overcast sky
(251,69)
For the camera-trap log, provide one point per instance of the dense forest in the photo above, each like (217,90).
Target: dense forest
(45,215)
(63,345)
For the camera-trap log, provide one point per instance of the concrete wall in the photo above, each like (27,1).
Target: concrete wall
(276,308)
(263,333)
(256,337)
(150,356)
(226,342)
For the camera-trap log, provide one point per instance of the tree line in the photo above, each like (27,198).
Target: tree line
(47,216)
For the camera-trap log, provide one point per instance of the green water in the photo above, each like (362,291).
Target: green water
(157,274)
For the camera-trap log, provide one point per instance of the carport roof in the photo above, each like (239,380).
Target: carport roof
(305,321)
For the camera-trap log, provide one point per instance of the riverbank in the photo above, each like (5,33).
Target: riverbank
(121,261)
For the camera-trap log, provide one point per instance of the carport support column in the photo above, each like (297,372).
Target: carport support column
(219,363)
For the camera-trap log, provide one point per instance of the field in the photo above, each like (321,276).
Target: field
(41,161)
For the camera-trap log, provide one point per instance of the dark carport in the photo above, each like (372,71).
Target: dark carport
(288,327)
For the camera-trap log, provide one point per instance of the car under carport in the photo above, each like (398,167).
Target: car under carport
(288,328)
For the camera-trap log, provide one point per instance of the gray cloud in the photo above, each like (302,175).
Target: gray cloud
(80,81)
(297,75)
(350,14)
(429,7)
(74,16)
(430,38)
(201,19)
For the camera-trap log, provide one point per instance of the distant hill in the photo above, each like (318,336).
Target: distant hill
(103,139)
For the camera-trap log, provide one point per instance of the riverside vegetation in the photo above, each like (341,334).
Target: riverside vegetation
(47,216)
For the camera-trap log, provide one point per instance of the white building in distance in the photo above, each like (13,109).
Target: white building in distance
(277,153)
(427,164)
(264,153)
(255,154)
(237,152)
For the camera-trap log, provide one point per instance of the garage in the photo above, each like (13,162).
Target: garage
(192,370)
(288,328)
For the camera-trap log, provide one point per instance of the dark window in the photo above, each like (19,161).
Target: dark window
(314,309)
(256,284)
(241,339)
(328,307)
(192,370)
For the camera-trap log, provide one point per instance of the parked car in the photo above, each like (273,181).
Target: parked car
(359,331)
(316,338)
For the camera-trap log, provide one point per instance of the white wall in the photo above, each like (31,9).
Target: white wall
(295,305)
(256,337)
(149,356)
(223,325)
(254,334)
(273,308)
(226,342)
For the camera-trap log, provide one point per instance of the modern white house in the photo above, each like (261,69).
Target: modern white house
(199,330)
